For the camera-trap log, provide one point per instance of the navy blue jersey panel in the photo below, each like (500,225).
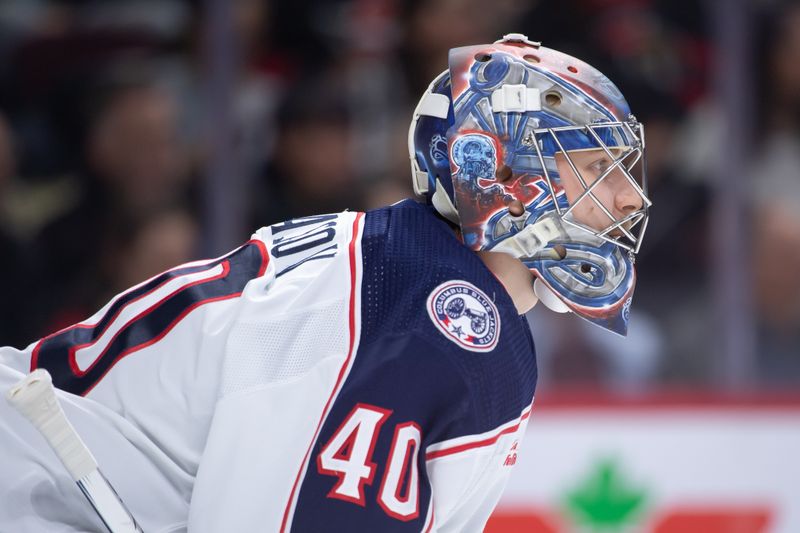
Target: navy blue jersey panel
(408,251)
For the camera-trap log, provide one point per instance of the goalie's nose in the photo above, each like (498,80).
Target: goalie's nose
(627,199)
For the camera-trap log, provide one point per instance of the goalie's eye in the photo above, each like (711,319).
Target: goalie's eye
(599,166)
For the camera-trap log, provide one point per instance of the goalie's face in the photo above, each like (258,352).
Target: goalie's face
(602,195)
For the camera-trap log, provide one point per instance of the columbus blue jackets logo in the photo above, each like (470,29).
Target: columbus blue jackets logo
(465,315)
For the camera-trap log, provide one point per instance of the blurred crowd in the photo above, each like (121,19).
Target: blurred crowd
(105,132)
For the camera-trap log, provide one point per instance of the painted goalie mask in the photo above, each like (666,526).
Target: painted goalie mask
(514,122)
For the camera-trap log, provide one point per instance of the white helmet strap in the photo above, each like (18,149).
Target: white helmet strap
(516,98)
(548,297)
(433,105)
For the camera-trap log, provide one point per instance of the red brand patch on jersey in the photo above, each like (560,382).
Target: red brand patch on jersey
(511,458)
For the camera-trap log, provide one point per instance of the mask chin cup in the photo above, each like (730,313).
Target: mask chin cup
(548,297)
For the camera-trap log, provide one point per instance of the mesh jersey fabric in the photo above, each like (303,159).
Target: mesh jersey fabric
(408,251)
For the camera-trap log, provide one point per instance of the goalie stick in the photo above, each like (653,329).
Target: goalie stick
(34,397)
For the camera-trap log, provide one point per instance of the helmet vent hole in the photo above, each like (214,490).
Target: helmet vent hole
(483,57)
(572,69)
(586,268)
(530,58)
(516,208)
(553,99)
(504,173)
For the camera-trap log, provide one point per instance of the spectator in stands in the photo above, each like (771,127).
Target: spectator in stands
(135,166)
(775,189)
(16,267)
(312,171)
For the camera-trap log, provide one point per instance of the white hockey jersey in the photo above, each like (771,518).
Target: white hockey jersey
(339,373)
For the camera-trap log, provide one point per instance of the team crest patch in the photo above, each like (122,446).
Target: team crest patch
(465,315)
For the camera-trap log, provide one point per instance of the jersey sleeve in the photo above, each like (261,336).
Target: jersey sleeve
(153,353)
(139,380)
(211,372)
(38,494)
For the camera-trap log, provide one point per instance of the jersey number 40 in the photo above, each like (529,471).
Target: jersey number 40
(348,455)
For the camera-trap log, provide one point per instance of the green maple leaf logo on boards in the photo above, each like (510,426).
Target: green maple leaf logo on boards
(604,501)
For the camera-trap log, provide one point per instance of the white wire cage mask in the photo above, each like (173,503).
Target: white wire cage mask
(600,168)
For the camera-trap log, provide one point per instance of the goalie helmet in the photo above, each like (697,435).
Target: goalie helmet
(515,125)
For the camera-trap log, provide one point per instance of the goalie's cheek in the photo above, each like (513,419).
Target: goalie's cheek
(613,197)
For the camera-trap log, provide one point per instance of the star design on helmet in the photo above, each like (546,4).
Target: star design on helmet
(458,331)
